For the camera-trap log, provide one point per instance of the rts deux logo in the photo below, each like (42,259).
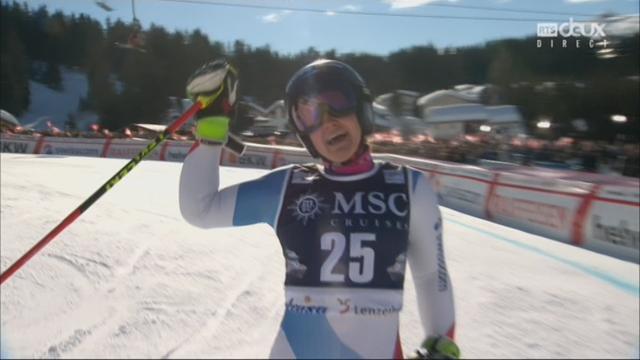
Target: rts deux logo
(571,34)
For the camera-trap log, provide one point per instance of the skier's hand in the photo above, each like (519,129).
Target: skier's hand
(437,347)
(215,85)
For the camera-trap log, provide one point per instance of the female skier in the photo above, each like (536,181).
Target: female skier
(346,227)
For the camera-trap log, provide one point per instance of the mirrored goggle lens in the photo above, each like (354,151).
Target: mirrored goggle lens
(309,112)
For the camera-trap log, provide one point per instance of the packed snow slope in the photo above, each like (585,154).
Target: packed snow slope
(130,278)
(47,104)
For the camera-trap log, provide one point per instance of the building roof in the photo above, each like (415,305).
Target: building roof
(456,113)
(457,96)
(7,117)
(469,112)
(157,128)
(504,114)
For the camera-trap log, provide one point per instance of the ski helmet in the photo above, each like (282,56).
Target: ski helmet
(322,76)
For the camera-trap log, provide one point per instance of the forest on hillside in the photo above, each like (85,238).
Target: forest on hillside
(562,84)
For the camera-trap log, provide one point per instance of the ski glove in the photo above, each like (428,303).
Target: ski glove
(213,130)
(437,347)
(215,85)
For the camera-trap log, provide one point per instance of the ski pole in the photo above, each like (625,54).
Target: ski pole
(234,144)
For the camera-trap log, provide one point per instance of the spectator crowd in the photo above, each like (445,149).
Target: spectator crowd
(565,153)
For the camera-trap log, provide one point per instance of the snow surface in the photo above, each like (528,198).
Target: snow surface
(55,106)
(130,278)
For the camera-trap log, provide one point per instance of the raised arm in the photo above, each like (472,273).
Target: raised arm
(204,204)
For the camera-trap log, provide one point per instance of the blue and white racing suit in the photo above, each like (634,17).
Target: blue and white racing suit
(345,240)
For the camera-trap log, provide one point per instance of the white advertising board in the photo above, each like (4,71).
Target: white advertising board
(464,189)
(542,206)
(612,223)
(176,150)
(18,144)
(128,149)
(72,146)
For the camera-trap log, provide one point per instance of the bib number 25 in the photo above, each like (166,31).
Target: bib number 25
(361,257)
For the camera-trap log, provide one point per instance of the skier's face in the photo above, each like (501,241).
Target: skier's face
(338,138)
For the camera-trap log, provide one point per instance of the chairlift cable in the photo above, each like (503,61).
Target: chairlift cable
(387,14)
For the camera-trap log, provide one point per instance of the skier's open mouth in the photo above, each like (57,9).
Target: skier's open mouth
(336,139)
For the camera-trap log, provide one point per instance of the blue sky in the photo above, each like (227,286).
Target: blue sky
(333,27)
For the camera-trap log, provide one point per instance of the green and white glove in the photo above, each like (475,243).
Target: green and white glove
(212,130)
(215,85)
(437,347)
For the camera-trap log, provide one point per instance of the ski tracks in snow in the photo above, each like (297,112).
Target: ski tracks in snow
(250,293)
(130,278)
(223,310)
(100,297)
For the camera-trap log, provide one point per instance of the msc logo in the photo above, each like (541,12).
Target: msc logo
(307,207)
(374,203)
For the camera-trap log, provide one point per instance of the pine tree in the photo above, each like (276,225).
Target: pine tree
(14,74)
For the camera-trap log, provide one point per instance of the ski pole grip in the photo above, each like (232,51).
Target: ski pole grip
(206,100)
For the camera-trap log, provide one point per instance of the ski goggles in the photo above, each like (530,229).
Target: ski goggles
(308,112)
